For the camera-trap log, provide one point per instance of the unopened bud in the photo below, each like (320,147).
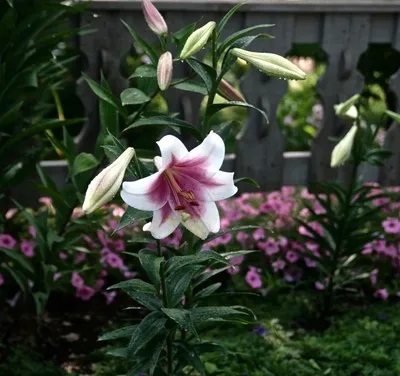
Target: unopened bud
(197,40)
(106,184)
(271,64)
(154,18)
(348,109)
(226,90)
(164,71)
(342,151)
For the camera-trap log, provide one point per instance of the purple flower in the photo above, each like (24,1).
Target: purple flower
(62,255)
(270,246)
(292,275)
(310,263)
(1,279)
(32,231)
(84,292)
(259,234)
(27,248)
(391,225)
(56,276)
(7,241)
(292,257)
(114,261)
(77,280)
(110,296)
(319,286)
(119,245)
(278,265)
(260,330)
(381,294)
(253,278)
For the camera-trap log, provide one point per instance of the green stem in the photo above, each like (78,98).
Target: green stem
(165,301)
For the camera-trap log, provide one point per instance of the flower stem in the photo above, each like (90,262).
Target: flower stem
(165,301)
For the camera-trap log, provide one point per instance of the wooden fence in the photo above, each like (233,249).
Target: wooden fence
(343,28)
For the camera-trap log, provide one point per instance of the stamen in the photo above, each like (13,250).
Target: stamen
(194,203)
(177,191)
(179,208)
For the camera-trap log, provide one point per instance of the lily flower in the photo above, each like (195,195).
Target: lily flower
(184,189)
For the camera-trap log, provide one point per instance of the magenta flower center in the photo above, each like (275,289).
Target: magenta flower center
(181,197)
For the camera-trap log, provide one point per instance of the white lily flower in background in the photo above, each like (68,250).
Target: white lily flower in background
(184,189)
(106,184)
(342,151)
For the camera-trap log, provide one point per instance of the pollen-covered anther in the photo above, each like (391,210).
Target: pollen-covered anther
(194,203)
(188,195)
(180,208)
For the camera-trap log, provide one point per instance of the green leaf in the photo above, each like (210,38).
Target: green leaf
(18,277)
(151,264)
(119,353)
(204,71)
(134,285)
(206,276)
(141,240)
(131,216)
(125,332)
(207,314)
(191,86)
(182,35)
(192,358)
(208,290)
(103,93)
(144,71)
(247,180)
(167,121)
(18,258)
(227,17)
(133,96)
(10,115)
(151,302)
(146,47)
(84,162)
(240,34)
(182,318)
(152,325)
(177,282)
(214,108)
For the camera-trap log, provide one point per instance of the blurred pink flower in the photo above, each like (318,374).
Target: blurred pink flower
(119,245)
(46,201)
(374,277)
(259,234)
(56,276)
(1,279)
(99,284)
(381,294)
(310,263)
(62,255)
(291,256)
(27,248)
(253,278)
(304,212)
(80,257)
(319,285)
(129,275)
(114,261)
(77,280)
(391,225)
(118,211)
(368,249)
(85,292)
(283,242)
(110,296)
(32,231)
(288,191)
(241,237)
(270,246)
(306,194)
(7,241)
(278,265)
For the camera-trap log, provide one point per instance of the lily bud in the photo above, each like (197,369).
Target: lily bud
(348,109)
(164,71)
(197,40)
(154,18)
(271,64)
(226,90)
(342,151)
(106,184)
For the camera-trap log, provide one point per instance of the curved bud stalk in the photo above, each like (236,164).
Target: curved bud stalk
(154,18)
(348,109)
(271,64)
(164,71)
(105,185)
(197,40)
(342,151)
(393,115)
(226,90)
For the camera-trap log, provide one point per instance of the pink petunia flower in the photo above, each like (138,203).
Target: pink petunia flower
(253,278)
(1,279)
(110,296)
(114,261)
(77,280)
(291,256)
(374,276)
(32,231)
(278,265)
(11,212)
(259,234)
(27,248)
(56,276)
(391,225)
(85,292)
(319,285)
(270,246)
(310,263)
(62,255)
(7,241)
(381,294)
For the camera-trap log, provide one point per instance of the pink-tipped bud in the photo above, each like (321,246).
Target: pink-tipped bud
(226,90)
(164,71)
(154,18)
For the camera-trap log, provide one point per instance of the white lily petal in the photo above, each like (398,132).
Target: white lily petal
(164,223)
(171,149)
(222,186)
(208,222)
(209,155)
(145,194)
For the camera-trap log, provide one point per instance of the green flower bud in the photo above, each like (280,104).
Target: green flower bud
(105,185)
(348,109)
(342,151)
(271,64)
(197,40)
